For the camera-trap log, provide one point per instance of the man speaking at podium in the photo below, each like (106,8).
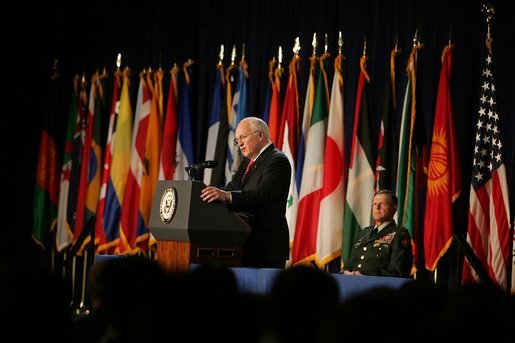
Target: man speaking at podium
(260,189)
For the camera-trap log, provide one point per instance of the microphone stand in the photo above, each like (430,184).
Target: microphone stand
(191,173)
(194,169)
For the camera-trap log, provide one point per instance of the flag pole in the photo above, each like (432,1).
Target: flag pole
(73,282)
(82,309)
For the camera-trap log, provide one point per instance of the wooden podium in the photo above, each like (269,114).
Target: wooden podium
(189,230)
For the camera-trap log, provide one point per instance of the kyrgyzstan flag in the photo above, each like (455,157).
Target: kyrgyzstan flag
(444,175)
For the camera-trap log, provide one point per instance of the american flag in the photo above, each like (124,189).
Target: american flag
(488,227)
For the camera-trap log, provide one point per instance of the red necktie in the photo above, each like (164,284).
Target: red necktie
(248,168)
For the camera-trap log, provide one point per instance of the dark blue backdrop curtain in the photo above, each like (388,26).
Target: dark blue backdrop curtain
(160,33)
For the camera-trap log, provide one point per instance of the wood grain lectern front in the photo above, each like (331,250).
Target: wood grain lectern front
(189,230)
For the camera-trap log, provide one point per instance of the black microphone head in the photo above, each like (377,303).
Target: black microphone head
(211,164)
(195,168)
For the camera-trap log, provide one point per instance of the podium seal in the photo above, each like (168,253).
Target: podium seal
(168,204)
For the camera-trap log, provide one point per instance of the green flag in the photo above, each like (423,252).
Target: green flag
(46,193)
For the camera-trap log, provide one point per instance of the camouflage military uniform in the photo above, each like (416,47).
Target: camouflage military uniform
(387,253)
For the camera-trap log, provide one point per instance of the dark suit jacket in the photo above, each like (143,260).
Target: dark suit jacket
(263,194)
(387,253)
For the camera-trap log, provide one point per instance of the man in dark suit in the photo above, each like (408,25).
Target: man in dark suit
(383,249)
(260,189)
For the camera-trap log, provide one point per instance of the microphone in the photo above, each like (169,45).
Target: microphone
(195,168)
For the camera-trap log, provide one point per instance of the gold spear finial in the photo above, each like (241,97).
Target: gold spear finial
(221,54)
(489,11)
(415,38)
(340,42)
(233,54)
(119,60)
(280,56)
(314,43)
(296,46)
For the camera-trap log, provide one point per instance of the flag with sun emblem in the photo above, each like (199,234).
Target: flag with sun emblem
(444,175)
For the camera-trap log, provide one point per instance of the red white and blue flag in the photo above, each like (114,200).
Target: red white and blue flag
(489,228)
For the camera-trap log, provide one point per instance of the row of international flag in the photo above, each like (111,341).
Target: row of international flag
(329,200)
